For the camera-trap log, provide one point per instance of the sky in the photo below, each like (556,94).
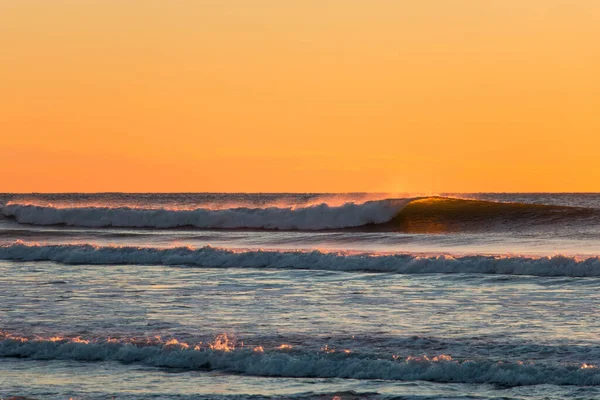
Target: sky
(299,96)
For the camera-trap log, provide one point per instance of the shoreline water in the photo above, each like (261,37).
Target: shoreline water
(486,310)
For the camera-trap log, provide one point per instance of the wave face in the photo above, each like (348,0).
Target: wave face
(446,215)
(210,257)
(411,215)
(316,217)
(287,362)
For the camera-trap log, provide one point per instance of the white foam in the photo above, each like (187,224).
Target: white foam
(211,257)
(315,217)
(308,364)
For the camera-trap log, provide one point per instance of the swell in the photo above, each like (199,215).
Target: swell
(416,215)
(211,257)
(443,215)
(289,362)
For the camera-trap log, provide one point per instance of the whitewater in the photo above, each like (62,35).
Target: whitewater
(209,257)
(315,217)
(299,296)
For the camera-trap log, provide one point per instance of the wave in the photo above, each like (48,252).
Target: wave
(315,217)
(412,215)
(211,257)
(443,215)
(288,362)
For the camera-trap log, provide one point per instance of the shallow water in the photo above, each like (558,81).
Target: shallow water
(120,317)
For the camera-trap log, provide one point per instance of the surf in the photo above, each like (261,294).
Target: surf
(213,257)
(448,215)
(284,361)
(313,217)
(428,215)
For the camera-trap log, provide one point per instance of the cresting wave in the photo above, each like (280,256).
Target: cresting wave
(285,361)
(411,215)
(211,257)
(315,217)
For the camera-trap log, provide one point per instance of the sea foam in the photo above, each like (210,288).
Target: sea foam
(315,217)
(211,257)
(296,364)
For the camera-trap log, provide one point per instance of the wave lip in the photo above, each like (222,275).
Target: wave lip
(298,363)
(409,215)
(315,217)
(446,215)
(211,257)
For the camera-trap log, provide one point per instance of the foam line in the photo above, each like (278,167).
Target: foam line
(307,364)
(316,217)
(211,257)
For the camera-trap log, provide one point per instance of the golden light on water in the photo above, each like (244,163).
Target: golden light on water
(441,357)
(225,343)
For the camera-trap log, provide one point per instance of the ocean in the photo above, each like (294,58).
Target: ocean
(300,296)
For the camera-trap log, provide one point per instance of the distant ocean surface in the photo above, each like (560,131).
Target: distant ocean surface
(300,296)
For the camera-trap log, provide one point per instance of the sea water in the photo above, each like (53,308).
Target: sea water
(219,296)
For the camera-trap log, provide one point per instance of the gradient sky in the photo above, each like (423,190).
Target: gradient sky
(307,95)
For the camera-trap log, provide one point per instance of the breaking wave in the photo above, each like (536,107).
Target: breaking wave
(289,362)
(411,215)
(211,257)
(315,217)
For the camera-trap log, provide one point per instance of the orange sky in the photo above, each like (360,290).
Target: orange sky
(307,95)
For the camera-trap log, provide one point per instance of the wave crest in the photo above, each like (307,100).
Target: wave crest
(409,215)
(315,217)
(283,362)
(211,257)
